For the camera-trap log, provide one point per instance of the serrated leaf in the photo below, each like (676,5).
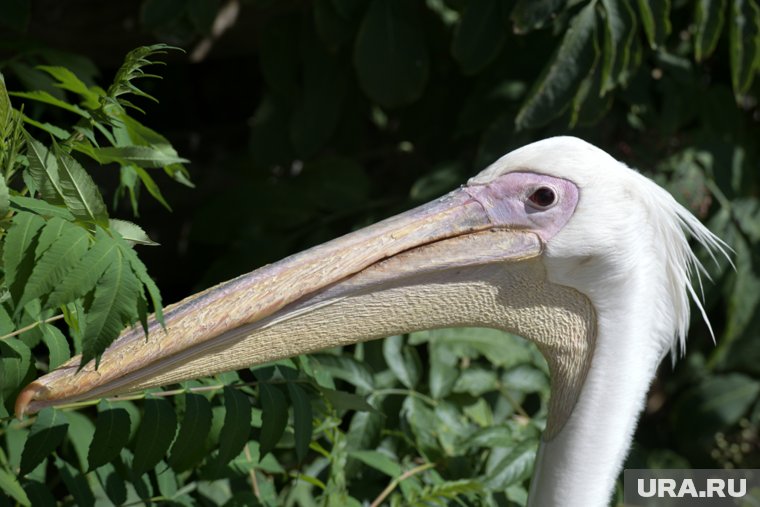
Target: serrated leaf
(57,344)
(529,15)
(348,369)
(744,44)
(274,417)
(516,466)
(403,361)
(80,194)
(302,415)
(85,275)
(69,81)
(237,424)
(378,461)
(39,207)
(112,431)
(560,79)
(130,232)
(141,272)
(43,168)
(44,436)
(53,130)
(5,201)
(196,424)
(655,16)
(61,245)
(390,55)
(114,305)
(18,251)
(479,36)
(9,485)
(151,186)
(708,16)
(143,156)
(156,433)
(46,98)
(6,109)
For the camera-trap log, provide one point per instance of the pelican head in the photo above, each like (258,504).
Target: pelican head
(557,242)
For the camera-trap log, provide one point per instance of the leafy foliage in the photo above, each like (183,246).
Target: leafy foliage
(354,111)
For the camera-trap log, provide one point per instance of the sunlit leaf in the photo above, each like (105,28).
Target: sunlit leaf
(58,346)
(130,232)
(10,486)
(391,56)
(513,468)
(156,433)
(18,251)
(348,369)
(46,433)
(80,194)
(379,461)
(403,360)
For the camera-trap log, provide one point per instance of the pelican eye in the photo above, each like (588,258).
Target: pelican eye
(543,197)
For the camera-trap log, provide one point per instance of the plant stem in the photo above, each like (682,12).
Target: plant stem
(395,482)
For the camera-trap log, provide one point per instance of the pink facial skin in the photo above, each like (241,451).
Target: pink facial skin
(507,201)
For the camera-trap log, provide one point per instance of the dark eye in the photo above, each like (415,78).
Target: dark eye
(543,197)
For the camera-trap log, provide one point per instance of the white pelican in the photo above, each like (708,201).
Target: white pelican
(556,241)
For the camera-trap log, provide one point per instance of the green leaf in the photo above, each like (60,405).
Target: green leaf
(18,251)
(46,98)
(619,31)
(9,485)
(80,193)
(44,436)
(39,207)
(302,415)
(379,461)
(81,431)
(479,36)
(141,272)
(112,431)
(187,450)
(57,344)
(655,16)
(744,44)
(530,15)
(113,305)
(76,483)
(346,401)
(348,369)
(443,372)
(43,167)
(57,132)
(156,433)
(403,361)
(237,425)
(67,244)
(515,467)
(142,156)
(708,16)
(69,81)
(274,416)
(15,366)
(150,185)
(5,201)
(560,79)
(391,56)
(87,272)
(130,232)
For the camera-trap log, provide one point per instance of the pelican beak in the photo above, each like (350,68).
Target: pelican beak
(452,262)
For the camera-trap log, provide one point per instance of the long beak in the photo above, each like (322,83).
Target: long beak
(418,270)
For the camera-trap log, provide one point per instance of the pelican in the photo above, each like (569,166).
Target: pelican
(556,241)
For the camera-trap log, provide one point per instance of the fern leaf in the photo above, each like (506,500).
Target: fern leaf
(132,68)
(113,306)
(18,251)
(80,193)
(60,246)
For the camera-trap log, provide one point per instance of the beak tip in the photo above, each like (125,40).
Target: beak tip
(25,402)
